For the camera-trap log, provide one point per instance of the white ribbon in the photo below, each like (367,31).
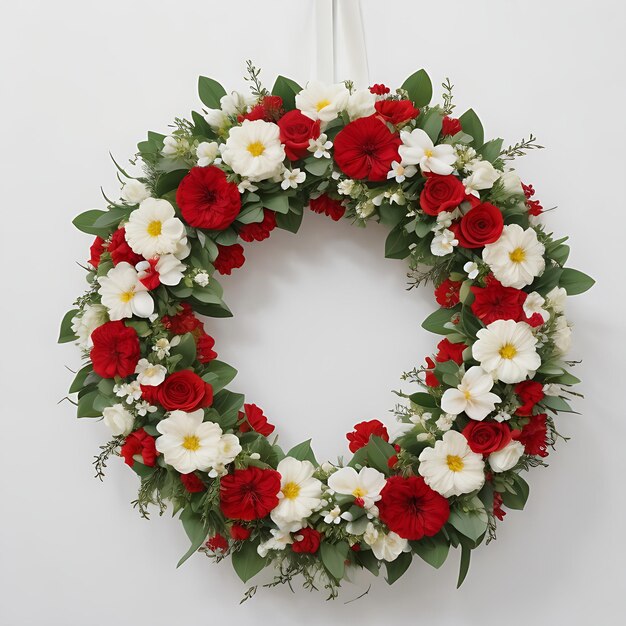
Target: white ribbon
(340,51)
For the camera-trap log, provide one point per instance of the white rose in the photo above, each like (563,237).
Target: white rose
(506,458)
(361,104)
(511,183)
(134,192)
(215,118)
(118,419)
(562,336)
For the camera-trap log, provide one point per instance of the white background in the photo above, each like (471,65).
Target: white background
(323,324)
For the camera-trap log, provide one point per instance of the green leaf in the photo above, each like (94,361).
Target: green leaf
(473,523)
(222,373)
(367,559)
(378,454)
(466,553)
(85,223)
(247,562)
(423,399)
(79,380)
(518,499)
(287,89)
(210,92)
(303,452)
(227,404)
(66,333)
(85,406)
(434,323)
(397,244)
(490,151)
(289,221)
(251,215)
(547,281)
(187,349)
(419,88)
(196,531)
(169,181)
(557,404)
(317,167)
(397,568)
(433,550)
(334,557)
(431,123)
(575,282)
(472,126)
(278,203)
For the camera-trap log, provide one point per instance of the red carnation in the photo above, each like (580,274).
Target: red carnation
(327,206)
(183,322)
(450,126)
(366,148)
(185,391)
(534,435)
(217,543)
(295,131)
(487,437)
(496,302)
(253,419)
(481,225)
(207,200)
(449,351)
(139,443)
(239,532)
(115,350)
(396,111)
(229,258)
(379,89)
(269,109)
(529,392)
(363,431)
(249,493)
(447,293)
(96,249)
(259,230)
(430,379)
(120,251)
(192,483)
(204,346)
(410,508)
(441,193)
(306,540)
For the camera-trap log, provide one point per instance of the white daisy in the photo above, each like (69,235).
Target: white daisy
(118,419)
(292,178)
(507,458)
(418,149)
(364,485)
(473,396)
(321,101)
(149,373)
(123,294)
(401,172)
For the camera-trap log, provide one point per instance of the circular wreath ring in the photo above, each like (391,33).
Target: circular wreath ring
(454,208)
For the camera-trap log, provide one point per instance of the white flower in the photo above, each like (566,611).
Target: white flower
(443,243)
(207,152)
(502,416)
(168,267)
(254,150)
(300,494)
(153,229)
(365,485)
(552,389)
(365,209)
(483,176)
(401,172)
(334,516)
(279,540)
(321,101)
(320,147)
(131,391)
(149,373)
(386,547)
(418,149)
(562,336)
(144,408)
(246,185)
(201,278)
(236,102)
(118,419)
(175,146)
(134,191)
(471,269)
(122,293)
(443,423)
(370,535)
(346,187)
(361,104)
(450,467)
(506,349)
(511,183)
(228,447)
(162,347)
(473,396)
(292,178)
(83,324)
(517,257)
(187,442)
(216,119)
(507,458)
(534,304)
(556,299)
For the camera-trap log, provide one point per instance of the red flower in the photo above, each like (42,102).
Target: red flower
(497,506)
(96,250)
(495,302)
(239,532)
(396,111)
(259,230)
(139,443)
(183,390)
(441,193)
(363,431)
(487,437)
(120,251)
(250,493)
(229,258)
(410,508)
(529,190)
(534,207)
(379,90)
(192,483)
(217,542)
(529,392)
(534,435)
(450,126)
(253,419)
(365,148)
(307,540)
(430,379)
(115,350)
(150,277)
(447,293)
(183,322)
(269,109)
(481,225)
(204,347)
(295,131)
(328,206)
(449,351)
(207,200)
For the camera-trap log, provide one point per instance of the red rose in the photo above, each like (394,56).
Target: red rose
(192,483)
(139,443)
(204,347)
(430,379)
(115,350)
(529,392)
(253,419)
(441,193)
(96,250)
(363,431)
(450,126)
(328,206)
(120,251)
(534,435)
(447,293)
(229,258)
(259,230)
(249,493)
(487,437)
(295,131)
(365,148)
(379,89)
(239,532)
(481,225)
(495,302)
(207,200)
(410,508)
(449,351)
(185,391)
(306,540)
(183,322)
(396,111)
(269,110)
(217,542)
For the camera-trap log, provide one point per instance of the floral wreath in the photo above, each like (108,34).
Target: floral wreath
(454,208)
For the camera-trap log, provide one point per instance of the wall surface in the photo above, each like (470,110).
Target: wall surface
(323,326)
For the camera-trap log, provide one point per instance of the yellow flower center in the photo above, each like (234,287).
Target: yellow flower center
(256,148)
(321,104)
(291,491)
(508,351)
(517,255)
(455,463)
(154,228)
(358,492)
(428,153)
(467,395)
(127,296)
(191,442)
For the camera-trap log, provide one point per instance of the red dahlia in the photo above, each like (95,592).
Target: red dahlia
(141,444)
(249,493)
(410,508)
(115,350)
(229,258)
(259,230)
(327,206)
(362,432)
(253,419)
